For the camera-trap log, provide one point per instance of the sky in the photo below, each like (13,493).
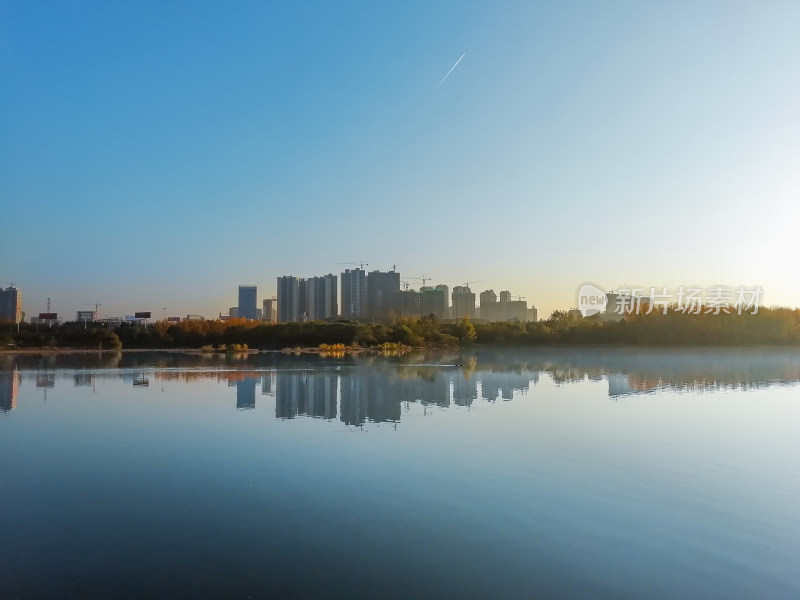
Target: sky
(160,154)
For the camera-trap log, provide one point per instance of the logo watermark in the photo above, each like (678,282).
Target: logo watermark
(695,300)
(592,299)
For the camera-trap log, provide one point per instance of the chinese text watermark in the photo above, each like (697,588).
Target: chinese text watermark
(715,300)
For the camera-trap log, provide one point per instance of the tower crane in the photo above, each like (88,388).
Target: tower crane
(360,263)
(424,280)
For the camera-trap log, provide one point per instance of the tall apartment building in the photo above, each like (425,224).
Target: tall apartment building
(248,302)
(269,310)
(312,299)
(354,294)
(306,299)
(288,299)
(381,290)
(488,307)
(434,301)
(10,305)
(406,303)
(504,310)
(326,297)
(319,298)
(463,303)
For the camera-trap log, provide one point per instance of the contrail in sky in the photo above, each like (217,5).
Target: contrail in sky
(450,71)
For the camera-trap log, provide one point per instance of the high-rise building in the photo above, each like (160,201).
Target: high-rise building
(515,310)
(354,294)
(326,297)
(269,311)
(288,299)
(504,310)
(318,298)
(406,303)
(10,305)
(381,289)
(488,307)
(434,301)
(463,303)
(248,301)
(306,300)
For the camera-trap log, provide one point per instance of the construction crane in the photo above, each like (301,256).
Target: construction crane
(423,279)
(466,283)
(360,263)
(8,283)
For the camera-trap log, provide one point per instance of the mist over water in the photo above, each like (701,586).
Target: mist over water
(478,473)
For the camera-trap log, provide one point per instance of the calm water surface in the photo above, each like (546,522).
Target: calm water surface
(482,474)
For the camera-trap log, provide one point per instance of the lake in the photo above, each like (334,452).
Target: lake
(501,473)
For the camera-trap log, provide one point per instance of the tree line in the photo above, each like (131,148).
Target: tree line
(776,326)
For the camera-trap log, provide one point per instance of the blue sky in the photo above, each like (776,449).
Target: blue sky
(160,154)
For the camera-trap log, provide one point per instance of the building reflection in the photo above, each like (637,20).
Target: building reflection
(246,393)
(84,379)
(9,390)
(46,380)
(354,399)
(306,393)
(376,390)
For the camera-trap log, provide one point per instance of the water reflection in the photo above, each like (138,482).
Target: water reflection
(9,389)
(570,467)
(84,379)
(246,393)
(361,390)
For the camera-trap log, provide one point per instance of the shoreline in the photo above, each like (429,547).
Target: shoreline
(297,350)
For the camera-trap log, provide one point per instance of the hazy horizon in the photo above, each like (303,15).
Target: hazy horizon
(160,155)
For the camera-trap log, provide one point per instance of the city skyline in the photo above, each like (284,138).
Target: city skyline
(143,157)
(305,299)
